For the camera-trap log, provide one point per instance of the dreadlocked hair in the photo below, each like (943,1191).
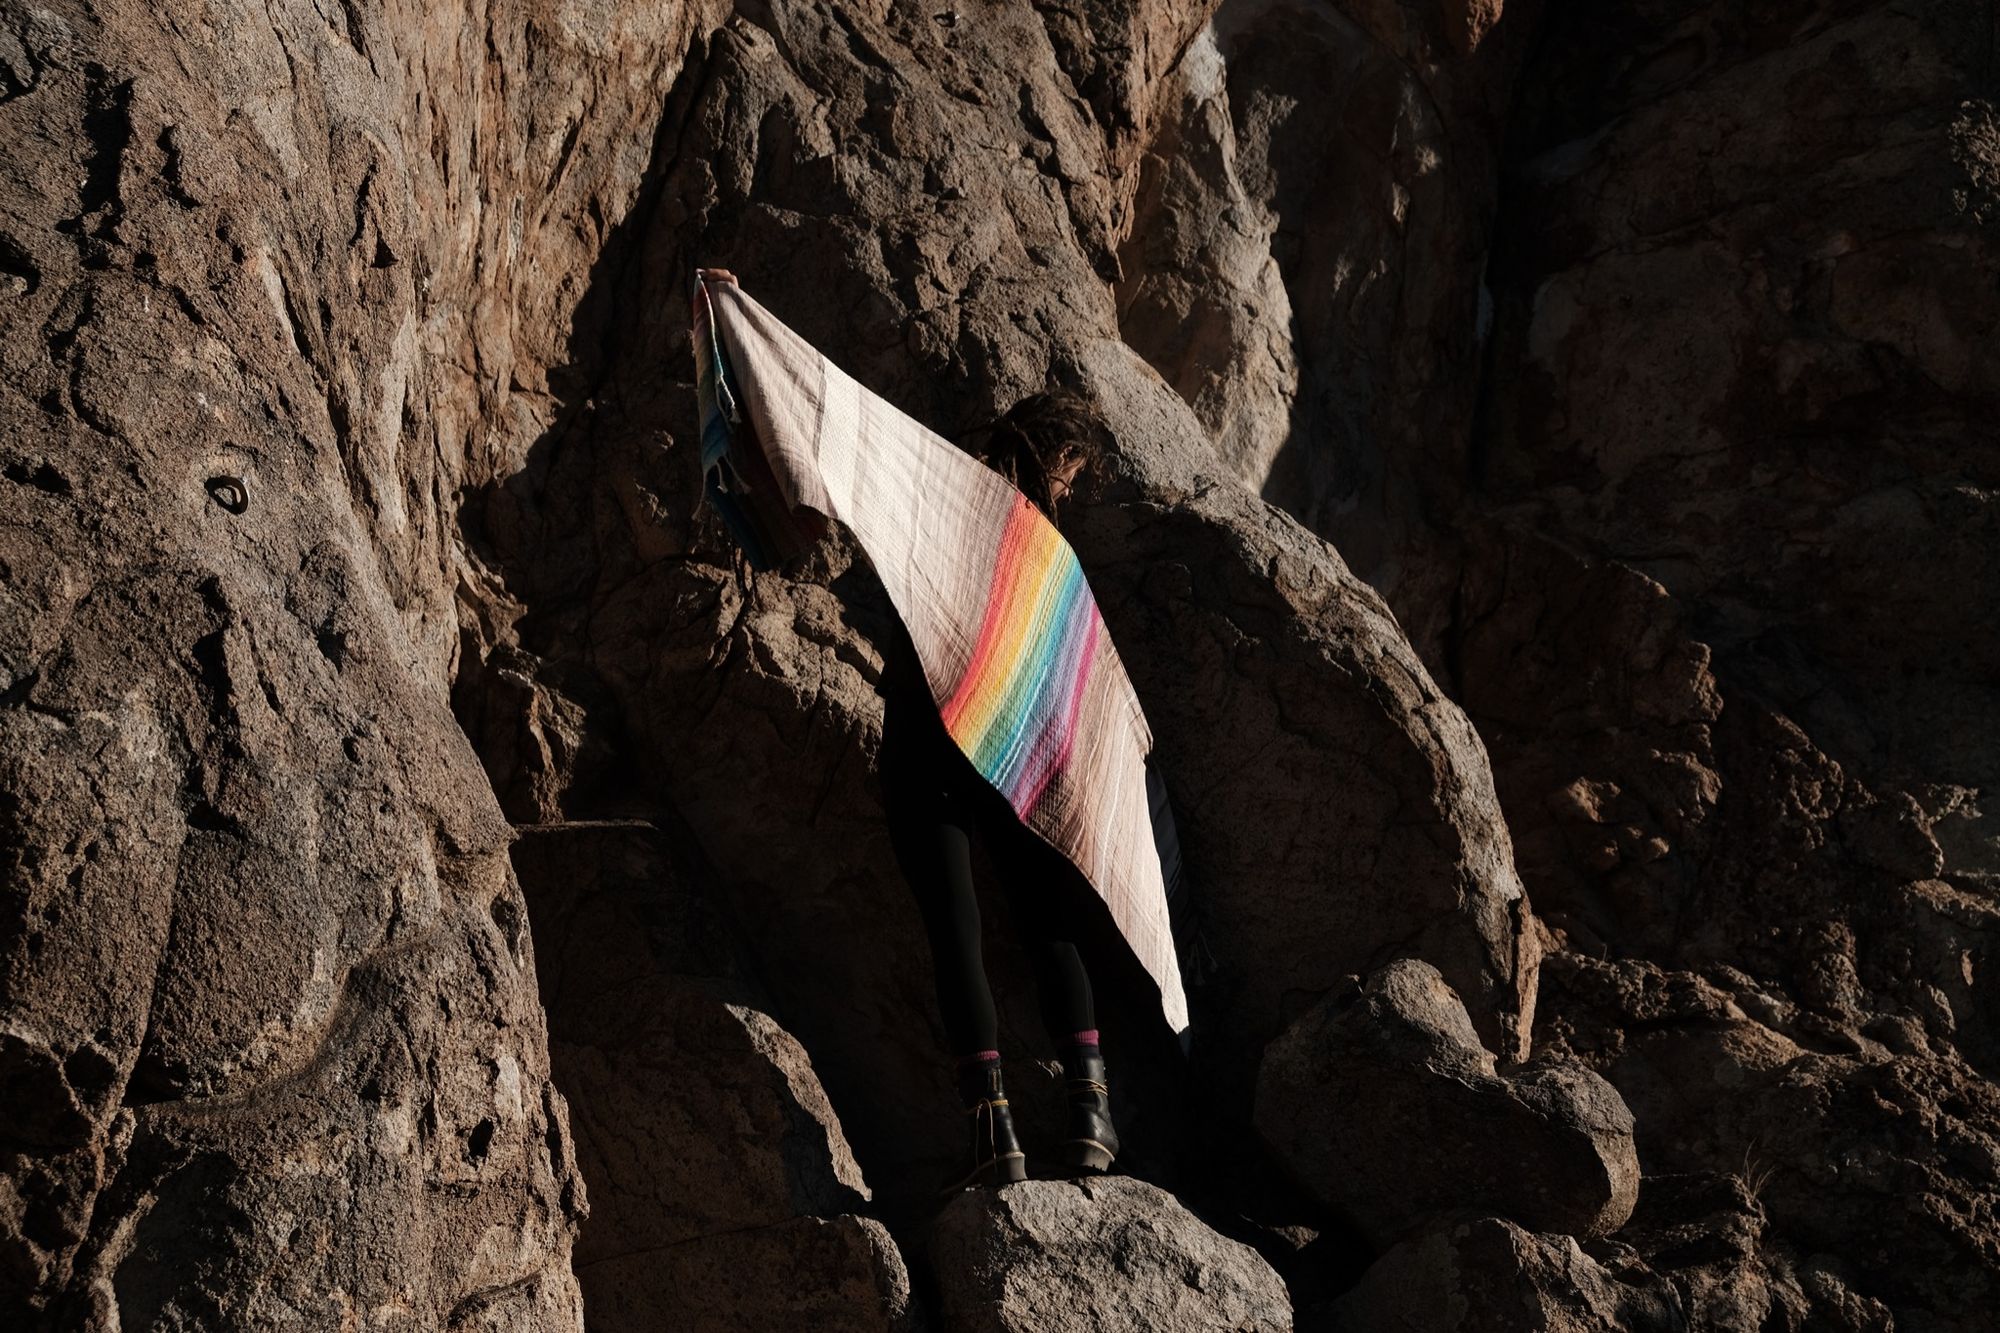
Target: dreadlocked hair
(1041,443)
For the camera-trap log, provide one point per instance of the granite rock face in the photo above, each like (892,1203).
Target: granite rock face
(1389,1109)
(1549,458)
(1092,1256)
(1734,409)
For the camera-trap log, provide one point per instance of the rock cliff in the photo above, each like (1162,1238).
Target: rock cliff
(1549,514)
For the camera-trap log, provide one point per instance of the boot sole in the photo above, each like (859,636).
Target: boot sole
(1086,1155)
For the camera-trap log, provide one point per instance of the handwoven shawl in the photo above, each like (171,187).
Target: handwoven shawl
(1016,654)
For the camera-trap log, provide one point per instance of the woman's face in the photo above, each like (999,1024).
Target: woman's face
(1061,477)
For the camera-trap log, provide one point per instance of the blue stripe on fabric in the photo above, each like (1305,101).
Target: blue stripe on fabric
(1055,691)
(1049,692)
(1030,668)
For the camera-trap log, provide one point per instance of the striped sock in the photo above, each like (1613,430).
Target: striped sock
(1075,1048)
(978,1075)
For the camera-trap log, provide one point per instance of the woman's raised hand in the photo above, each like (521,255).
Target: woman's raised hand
(718,274)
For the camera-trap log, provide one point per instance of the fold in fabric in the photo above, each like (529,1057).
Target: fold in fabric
(737,481)
(1016,654)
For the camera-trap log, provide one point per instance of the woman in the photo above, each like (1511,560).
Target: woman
(934,801)
(934,795)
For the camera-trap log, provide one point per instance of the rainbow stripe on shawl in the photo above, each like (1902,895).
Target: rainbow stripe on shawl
(1014,711)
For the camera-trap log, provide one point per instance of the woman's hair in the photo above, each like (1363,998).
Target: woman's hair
(1041,443)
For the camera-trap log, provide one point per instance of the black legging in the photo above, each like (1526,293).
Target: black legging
(933,798)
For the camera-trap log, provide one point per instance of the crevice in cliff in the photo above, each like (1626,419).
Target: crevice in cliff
(1198,291)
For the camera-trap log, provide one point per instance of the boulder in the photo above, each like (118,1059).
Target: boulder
(1095,1256)
(1386,1106)
(1488,1275)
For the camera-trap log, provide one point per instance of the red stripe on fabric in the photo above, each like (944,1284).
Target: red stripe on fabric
(998,598)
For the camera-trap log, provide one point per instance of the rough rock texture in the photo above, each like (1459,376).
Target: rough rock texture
(1369,134)
(1386,1106)
(1830,1139)
(1707,1232)
(1488,1274)
(1735,410)
(1552,449)
(1093,1256)
(272,1050)
(723,1194)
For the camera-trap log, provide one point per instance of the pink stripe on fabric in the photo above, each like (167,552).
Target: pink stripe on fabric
(1001,593)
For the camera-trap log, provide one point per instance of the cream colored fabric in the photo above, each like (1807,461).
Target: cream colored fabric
(930,518)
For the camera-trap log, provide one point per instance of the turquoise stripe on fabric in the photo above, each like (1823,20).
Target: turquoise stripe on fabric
(1049,689)
(1022,770)
(1029,667)
(1036,644)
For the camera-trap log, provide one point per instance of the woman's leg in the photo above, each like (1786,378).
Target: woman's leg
(936,859)
(929,833)
(1041,886)
(1045,893)
(928,829)
(1062,986)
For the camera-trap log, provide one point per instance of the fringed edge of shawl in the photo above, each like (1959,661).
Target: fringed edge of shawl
(737,481)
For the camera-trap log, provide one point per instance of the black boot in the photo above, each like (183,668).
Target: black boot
(1091,1142)
(994,1157)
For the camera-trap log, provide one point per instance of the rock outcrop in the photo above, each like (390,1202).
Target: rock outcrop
(274,285)
(1094,1256)
(1385,1104)
(1709,1235)
(1489,1276)
(1828,1137)
(1548,459)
